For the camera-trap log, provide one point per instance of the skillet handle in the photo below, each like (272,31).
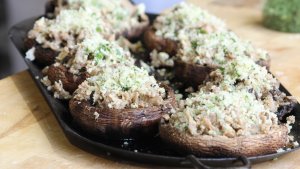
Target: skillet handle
(199,165)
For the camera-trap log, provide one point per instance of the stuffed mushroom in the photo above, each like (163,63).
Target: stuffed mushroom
(125,19)
(88,59)
(233,114)
(122,101)
(49,37)
(195,43)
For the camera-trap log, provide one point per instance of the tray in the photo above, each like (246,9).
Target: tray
(150,151)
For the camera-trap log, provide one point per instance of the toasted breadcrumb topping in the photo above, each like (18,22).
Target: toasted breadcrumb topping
(242,73)
(203,39)
(95,53)
(183,17)
(91,57)
(30,54)
(215,49)
(68,28)
(120,86)
(59,91)
(119,14)
(239,99)
(161,59)
(224,113)
(57,88)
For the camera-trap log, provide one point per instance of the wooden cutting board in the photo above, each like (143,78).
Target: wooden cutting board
(30,137)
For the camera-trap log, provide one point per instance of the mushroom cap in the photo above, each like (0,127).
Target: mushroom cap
(205,145)
(116,123)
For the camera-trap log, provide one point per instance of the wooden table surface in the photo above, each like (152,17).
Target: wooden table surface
(30,137)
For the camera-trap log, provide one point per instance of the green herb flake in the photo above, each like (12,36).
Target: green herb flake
(194,44)
(201,31)
(98,29)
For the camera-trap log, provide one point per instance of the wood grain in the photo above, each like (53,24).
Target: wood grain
(30,137)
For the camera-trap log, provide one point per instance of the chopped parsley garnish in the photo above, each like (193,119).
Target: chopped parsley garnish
(201,31)
(102,51)
(125,88)
(98,29)
(222,69)
(194,44)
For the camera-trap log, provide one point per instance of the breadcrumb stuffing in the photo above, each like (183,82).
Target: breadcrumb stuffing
(235,101)
(122,86)
(146,66)
(290,120)
(180,19)
(203,39)
(120,15)
(57,88)
(281,150)
(295,144)
(159,59)
(30,54)
(67,29)
(96,115)
(46,81)
(59,91)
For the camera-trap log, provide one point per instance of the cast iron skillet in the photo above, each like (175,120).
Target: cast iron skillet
(150,150)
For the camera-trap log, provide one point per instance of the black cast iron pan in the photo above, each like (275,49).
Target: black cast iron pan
(150,151)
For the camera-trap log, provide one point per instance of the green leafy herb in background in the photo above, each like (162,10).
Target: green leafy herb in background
(282,15)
